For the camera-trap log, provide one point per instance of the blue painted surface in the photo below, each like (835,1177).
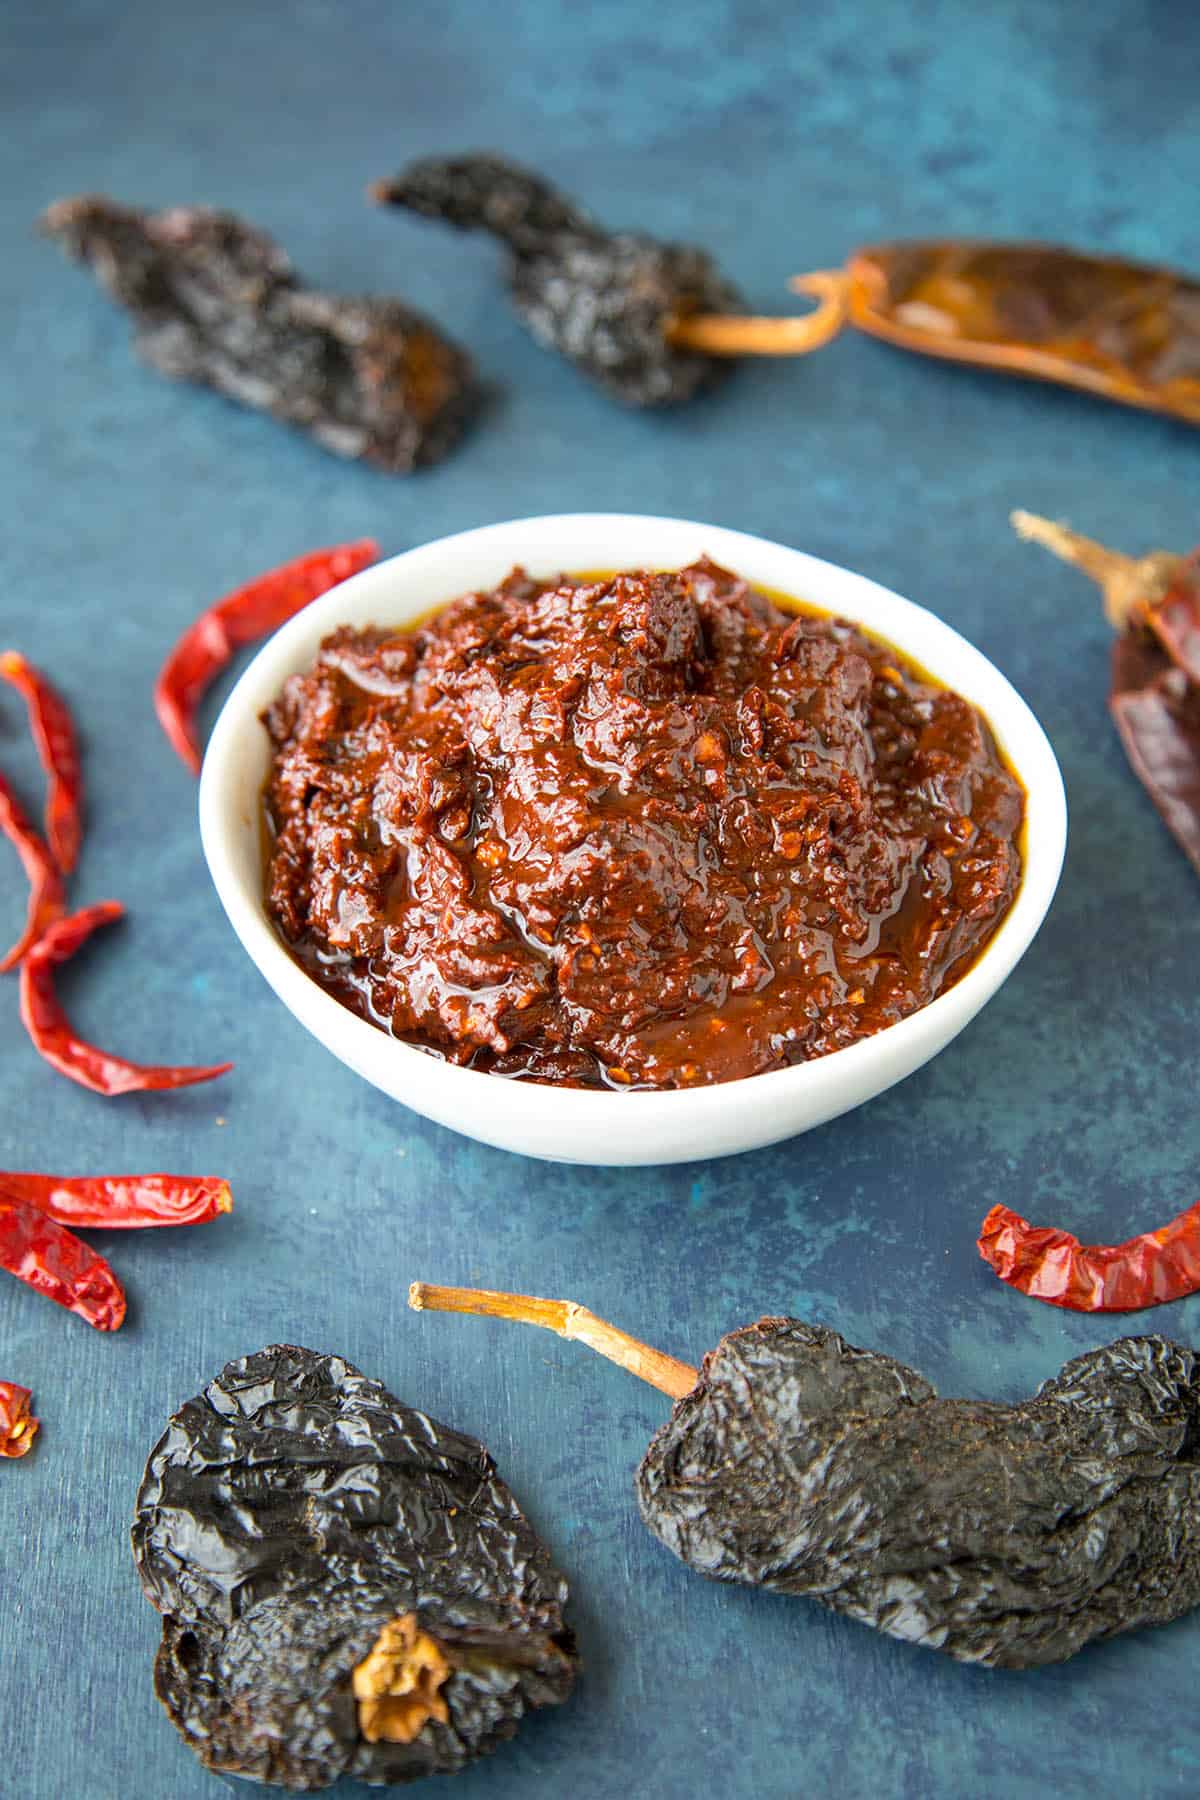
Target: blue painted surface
(782,141)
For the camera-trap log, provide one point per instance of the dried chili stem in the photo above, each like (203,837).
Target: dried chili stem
(1131,585)
(724,334)
(569,1321)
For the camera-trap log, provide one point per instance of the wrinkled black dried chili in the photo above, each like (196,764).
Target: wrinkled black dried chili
(1007,1535)
(1153,602)
(604,300)
(216,301)
(347,1587)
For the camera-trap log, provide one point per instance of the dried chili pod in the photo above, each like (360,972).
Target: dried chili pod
(1154,603)
(54,734)
(607,301)
(45,879)
(120,1202)
(55,1038)
(1052,1265)
(216,301)
(1119,329)
(242,617)
(1006,1535)
(347,1587)
(18,1427)
(52,1260)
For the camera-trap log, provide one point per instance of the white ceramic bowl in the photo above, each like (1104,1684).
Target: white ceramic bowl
(582,1126)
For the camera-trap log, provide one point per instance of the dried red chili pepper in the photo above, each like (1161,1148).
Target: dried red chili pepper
(45,881)
(1154,603)
(48,1257)
(1119,329)
(1053,1265)
(54,735)
(241,617)
(18,1427)
(120,1202)
(51,1030)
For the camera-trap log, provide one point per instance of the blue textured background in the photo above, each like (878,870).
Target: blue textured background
(781,137)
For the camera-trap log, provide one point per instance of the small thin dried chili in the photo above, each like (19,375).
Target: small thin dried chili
(1052,1265)
(48,1257)
(1154,603)
(240,618)
(51,1030)
(45,880)
(217,302)
(54,735)
(18,1427)
(120,1202)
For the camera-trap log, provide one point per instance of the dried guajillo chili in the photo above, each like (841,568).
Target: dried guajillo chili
(58,750)
(41,869)
(120,1202)
(1119,329)
(1006,1535)
(1052,1265)
(217,302)
(347,1587)
(1154,604)
(52,1033)
(51,1259)
(18,1427)
(248,613)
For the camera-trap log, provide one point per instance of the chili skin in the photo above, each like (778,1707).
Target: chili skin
(18,1427)
(58,749)
(1157,716)
(51,1030)
(1052,1265)
(51,1259)
(1153,604)
(45,880)
(1120,329)
(247,614)
(120,1202)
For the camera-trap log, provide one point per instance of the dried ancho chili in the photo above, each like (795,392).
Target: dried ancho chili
(642,831)
(1153,602)
(250,612)
(1007,1535)
(1053,1265)
(216,301)
(347,1587)
(54,735)
(606,301)
(18,1427)
(52,1033)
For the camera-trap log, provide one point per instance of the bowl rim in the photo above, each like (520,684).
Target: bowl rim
(906,1043)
